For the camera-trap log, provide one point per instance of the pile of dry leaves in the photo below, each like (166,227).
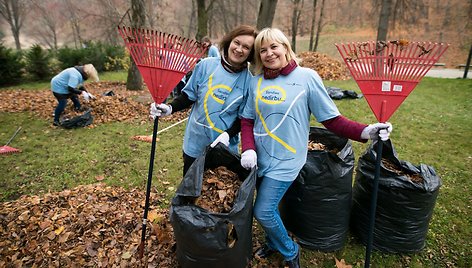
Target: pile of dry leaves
(92,226)
(89,226)
(219,189)
(113,103)
(327,67)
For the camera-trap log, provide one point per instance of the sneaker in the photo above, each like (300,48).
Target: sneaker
(56,123)
(295,263)
(264,252)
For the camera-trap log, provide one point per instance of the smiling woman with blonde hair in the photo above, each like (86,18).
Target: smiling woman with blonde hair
(275,126)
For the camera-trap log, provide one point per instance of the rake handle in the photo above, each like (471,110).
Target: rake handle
(148,187)
(14,135)
(373,203)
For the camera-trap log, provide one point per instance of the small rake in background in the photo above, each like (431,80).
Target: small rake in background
(5,149)
(387,72)
(162,59)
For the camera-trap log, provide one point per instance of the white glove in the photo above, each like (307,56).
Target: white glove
(223,138)
(159,110)
(249,159)
(374,131)
(87,96)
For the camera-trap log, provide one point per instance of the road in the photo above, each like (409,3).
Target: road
(448,73)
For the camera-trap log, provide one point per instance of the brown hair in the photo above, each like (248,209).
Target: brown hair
(240,30)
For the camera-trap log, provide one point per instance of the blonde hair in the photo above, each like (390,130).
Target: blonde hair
(271,35)
(91,73)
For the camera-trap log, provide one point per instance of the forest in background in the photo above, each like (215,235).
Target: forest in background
(58,23)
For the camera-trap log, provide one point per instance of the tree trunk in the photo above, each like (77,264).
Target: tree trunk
(138,17)
(202,20)
(320,23)
(385,11)
(312,29)
(266,13)
(297,6)
(14,11)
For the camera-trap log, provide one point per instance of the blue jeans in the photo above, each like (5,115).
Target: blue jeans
(266,212)
(61,106)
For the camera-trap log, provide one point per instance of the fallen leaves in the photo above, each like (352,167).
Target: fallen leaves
(123,105)
(89,226)
(328,68)
(219,189)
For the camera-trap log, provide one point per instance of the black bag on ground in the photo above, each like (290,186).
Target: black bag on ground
(205,238)
(316,207)
(406,198)
(78,121)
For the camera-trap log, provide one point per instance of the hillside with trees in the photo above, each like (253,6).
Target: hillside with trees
(310,23)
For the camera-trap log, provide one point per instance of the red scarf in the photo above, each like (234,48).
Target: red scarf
(271,74)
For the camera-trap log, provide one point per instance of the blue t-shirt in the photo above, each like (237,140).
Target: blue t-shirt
(69,77)
(213,51)
(219,98)
(281,109)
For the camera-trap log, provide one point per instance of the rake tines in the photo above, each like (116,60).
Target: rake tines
(162,58)
(400,60)
(387,71)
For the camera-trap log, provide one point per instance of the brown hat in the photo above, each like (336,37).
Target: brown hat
(91,73)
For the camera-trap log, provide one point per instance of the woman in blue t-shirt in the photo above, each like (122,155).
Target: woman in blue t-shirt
(217,91)
(275,127)
(68,84)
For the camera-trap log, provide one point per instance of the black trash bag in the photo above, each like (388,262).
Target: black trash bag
(404,207)
(335,93)
(205,238)
(79,121)
(338,94)
(316,207)
(109,93)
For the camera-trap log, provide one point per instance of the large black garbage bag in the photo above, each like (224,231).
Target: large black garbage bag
(316,207)
(82,120)
(204,238)
(404,207)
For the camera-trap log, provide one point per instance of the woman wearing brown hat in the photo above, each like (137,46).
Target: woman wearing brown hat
(68,84)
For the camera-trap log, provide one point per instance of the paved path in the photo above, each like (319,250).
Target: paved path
(448,73)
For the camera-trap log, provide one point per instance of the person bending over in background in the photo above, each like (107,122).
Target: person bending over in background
(275,127)
(217,91)
(68,84)
(212,49)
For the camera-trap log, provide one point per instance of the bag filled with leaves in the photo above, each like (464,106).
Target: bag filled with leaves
(211,213)
(79,121)
(406,198)
(316,207)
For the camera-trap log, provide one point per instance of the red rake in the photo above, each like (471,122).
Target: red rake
(386,73)
(5,149)
(163,60)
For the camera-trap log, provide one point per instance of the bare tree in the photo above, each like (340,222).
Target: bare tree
(385,11)
(138,20)
(266,13)
(14,12)
(297,7)
(320,23)
(312,29)
(47,31)
(202,17)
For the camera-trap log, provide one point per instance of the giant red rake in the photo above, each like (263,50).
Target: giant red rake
(163,60)
(387,72)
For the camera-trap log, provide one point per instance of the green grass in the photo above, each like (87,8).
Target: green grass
(432,126)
